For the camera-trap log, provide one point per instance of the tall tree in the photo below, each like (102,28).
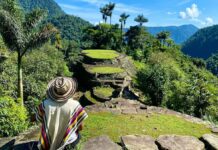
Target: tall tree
(162,37)
(141,19)
(123,18)
(22,32)
(104,11)
(110,7)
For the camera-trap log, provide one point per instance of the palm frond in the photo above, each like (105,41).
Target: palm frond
(11,31)
(34,18)
(41,37)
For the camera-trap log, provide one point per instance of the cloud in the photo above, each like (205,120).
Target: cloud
(209,21)
(191,12)
(171,13)
(182,15)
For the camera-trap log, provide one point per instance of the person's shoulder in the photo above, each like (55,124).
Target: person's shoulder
(73,102)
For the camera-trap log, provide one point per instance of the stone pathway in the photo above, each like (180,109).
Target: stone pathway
(27,140)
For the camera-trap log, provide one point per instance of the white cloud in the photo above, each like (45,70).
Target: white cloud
(182,15)
(191,12)
(209,21)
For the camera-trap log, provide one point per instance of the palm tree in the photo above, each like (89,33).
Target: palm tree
(162,37)
(110,8)
(22,33)
(104,11)
(123,18)
(141,19)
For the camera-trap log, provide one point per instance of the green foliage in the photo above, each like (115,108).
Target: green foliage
(140,42)
(50,64)
(212,64)
(100,54)
(49,5)
(104,36)
(203,43)
(141,19)
(70,27)
(13,117)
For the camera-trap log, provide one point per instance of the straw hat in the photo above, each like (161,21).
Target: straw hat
(61,89)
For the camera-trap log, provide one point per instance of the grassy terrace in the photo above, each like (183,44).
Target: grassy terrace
(105,70)
(89,97)
(100,54)
(157,124)
(103,91)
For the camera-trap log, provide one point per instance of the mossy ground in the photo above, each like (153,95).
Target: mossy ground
(89,97)
(103,91)
(101,54)
(105,70)
(157,124)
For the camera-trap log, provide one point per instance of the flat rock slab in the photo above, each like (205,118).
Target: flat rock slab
(175,142)
(215,130)
(101,143)
(211,141)
(138,142)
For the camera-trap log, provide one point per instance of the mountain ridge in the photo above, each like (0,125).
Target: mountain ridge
(178,33)
(203,43)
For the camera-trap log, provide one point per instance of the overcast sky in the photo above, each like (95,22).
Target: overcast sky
(200,13)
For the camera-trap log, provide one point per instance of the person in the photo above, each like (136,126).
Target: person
(61,116)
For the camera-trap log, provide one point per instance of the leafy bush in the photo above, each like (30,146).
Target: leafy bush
(13,117)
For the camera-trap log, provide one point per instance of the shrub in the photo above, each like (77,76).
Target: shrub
(13,117)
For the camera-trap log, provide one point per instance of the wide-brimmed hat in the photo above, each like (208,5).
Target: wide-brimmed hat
(61,89)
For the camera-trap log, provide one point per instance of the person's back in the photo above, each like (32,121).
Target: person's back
(61,120)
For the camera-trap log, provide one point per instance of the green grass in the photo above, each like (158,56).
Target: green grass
(101,54)
(103,91)
(105,70)
(90,98)
(119,125)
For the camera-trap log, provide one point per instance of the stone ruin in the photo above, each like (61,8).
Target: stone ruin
(108,73)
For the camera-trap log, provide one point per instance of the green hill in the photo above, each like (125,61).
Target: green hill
(178,33)
(53,8)
(71,27)
(203,43)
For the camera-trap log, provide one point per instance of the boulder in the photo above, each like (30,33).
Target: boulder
(215,130)
(101,143)
(138,142)
(211,141)
(176,142)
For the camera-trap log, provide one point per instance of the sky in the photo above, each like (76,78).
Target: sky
(201,13)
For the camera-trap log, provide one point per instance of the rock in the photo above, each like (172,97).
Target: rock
(175,142)
(215,130)
(130,111)
(138,142)
(101,143)
(211,141)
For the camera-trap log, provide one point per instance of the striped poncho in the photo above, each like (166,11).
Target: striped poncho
(60,123)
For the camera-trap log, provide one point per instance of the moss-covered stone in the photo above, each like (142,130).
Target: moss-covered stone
(100,54)
(103,92)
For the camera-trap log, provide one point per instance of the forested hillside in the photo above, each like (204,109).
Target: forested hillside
(203,43)
(178,33)
(50,5)
(71,27)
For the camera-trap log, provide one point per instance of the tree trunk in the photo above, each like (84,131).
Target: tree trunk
(121,28)
(110,19)
(20,78)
